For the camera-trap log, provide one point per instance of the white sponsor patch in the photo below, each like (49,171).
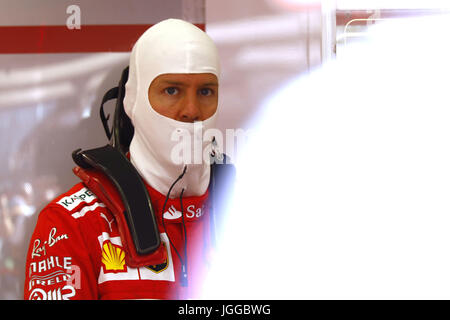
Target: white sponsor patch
(85,210)
(144,273)
(72,201)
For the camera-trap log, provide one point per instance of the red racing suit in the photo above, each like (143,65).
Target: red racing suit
(76,252)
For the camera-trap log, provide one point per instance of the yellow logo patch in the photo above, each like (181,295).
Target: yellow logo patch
(113,258)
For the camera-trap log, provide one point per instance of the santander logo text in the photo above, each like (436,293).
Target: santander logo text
(172,213)
(191,212)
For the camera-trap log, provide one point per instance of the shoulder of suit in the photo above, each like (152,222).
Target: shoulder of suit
(77,202)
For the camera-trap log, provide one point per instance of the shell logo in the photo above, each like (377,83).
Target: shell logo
(113,258)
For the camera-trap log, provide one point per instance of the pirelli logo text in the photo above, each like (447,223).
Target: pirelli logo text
(72,201)
(53,278)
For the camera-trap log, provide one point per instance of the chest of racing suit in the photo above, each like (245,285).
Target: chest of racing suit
(76,252)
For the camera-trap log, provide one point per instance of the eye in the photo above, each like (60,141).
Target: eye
(206,92)
(171,91)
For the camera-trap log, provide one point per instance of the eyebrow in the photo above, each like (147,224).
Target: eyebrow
(177,83)
(211,84)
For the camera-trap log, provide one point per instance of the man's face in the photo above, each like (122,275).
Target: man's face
(185,97)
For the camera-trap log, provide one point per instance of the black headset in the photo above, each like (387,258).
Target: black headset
(122,129)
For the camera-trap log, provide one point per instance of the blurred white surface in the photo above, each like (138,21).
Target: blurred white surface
(343,190)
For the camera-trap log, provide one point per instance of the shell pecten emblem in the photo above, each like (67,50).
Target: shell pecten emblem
(113,258)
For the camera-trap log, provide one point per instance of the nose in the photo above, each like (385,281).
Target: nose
(190,110)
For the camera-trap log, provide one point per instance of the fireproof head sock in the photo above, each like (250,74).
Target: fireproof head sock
(171,46)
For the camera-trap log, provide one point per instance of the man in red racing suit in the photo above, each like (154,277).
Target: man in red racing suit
(76,251)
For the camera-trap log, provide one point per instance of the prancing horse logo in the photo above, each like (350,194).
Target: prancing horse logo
(157,268)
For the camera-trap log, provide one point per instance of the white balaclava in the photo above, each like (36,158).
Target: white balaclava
(171,46)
